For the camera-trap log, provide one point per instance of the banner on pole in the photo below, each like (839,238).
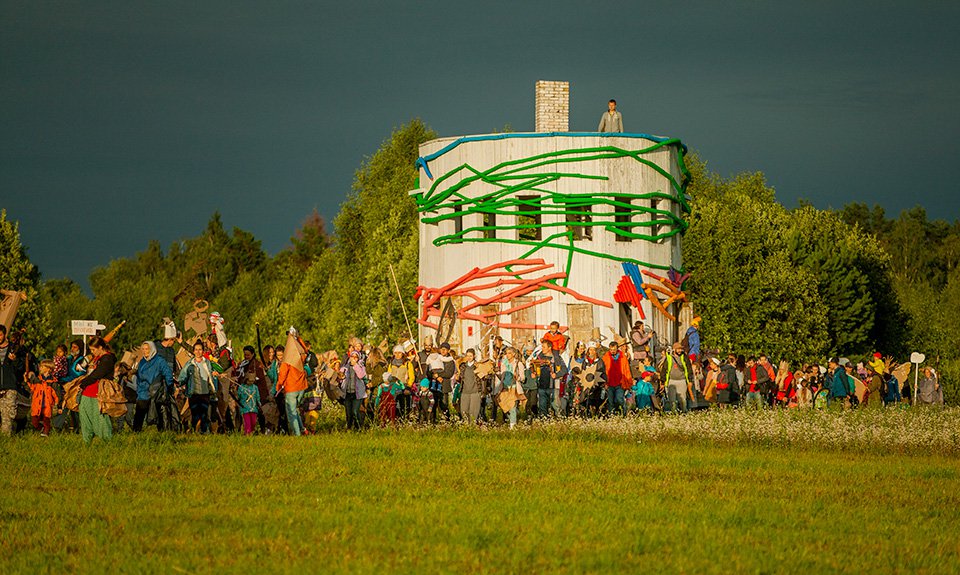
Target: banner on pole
(85,326)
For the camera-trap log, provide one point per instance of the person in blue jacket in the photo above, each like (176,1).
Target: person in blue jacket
(152,369)
(891,389)
(836,382)
(692,339)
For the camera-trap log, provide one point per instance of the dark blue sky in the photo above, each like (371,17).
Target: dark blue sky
(122,122)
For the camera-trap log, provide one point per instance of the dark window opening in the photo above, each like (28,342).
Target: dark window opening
(622,218)
(529,222)
(458,223)
(626,318)
(489,221)
(580,232)
(655,228)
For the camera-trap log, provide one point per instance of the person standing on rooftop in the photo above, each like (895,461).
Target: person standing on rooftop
(611,121)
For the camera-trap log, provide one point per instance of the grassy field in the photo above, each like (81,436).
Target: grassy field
(642,495)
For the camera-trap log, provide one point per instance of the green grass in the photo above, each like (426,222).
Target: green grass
(548,498)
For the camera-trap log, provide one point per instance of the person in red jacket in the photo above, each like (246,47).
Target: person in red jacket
(619,378)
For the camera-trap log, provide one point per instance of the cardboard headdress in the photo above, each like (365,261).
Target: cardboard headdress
(621,341)
(169,329)
(292,350)
(216,323)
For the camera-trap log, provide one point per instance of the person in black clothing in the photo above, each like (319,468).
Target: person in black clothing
(9,383)
(728,390)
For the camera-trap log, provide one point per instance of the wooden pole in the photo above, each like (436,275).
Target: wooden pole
(396,284)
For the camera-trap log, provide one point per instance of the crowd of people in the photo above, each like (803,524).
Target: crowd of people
(202,386)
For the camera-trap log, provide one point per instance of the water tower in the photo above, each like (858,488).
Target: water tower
(521,229)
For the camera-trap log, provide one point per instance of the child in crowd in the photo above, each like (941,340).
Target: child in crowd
(643,390)
(820,398)
(425,401)
(386,398)
(557,340)
(44,398)
(311,405)
(60,362)
(248,396)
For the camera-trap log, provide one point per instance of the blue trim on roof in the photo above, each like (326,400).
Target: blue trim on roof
(422,161)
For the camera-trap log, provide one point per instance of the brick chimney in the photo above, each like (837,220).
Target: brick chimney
(553,106)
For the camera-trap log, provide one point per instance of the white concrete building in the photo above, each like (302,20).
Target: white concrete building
(583,203)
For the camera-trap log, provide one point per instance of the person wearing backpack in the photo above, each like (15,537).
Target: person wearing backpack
(728,391)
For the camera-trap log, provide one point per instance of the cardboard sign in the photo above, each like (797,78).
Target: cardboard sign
(196,323)
(86,326)
(183,358)
(589,377)
(9,302)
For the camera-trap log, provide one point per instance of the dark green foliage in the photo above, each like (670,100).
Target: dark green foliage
(67,302)
(310,241)
(797,284)
(376,228)
(752,297)
(17,273)
(925,282)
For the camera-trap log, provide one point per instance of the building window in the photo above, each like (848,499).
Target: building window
(625,316)
(529,222)
(458,224)
(622,217)
(580,232)
(655,228)
(489,221)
